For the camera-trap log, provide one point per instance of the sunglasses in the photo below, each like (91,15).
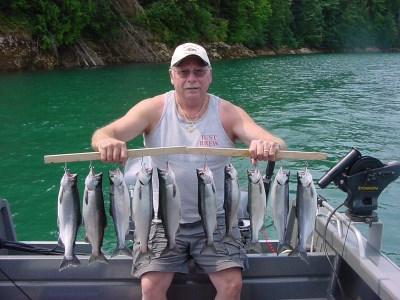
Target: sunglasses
(198,73)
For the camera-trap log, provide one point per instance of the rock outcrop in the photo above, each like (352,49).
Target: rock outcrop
(20,52)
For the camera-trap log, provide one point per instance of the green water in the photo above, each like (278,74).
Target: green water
(324,102)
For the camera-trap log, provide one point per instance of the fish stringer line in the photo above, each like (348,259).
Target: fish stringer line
(269,244)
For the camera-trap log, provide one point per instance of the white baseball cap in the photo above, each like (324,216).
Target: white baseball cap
(187,49)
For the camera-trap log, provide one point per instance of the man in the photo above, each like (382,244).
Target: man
(189,116)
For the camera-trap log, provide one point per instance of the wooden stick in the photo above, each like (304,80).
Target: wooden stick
(281,154)
(61,158)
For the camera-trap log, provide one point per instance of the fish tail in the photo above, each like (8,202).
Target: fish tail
(98,257)
(254,246)
(121,251)
(208,248)
(257,247)
(229,237)
(169,250)
(149,253)
(283,248)
(66,263)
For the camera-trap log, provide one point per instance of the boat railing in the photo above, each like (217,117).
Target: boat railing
(342,222)
(375,229)
(7,230)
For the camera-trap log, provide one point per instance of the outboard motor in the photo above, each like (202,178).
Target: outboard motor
(363,178)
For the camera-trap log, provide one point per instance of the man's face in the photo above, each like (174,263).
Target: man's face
(191,78)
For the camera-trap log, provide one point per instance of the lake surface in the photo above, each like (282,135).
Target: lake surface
(320,102)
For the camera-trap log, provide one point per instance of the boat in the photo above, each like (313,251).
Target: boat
(343,263)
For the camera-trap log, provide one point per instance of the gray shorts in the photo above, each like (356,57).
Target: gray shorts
(190,240)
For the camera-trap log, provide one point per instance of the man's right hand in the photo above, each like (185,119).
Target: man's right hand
(111,150)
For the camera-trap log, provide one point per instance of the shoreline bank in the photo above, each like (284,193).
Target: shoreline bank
(18,52)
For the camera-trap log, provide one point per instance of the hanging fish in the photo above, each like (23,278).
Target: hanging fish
(256,207)
(306,211)
(120,207)
(142,208)
(231,200)
(94,215)
(207,206)
(279,198)
(69,218)
(169,207)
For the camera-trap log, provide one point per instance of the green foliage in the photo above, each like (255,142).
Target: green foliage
(337,24)
(354,28)
(103,22)
(278,26)
(382,23)
(60,22)
(56,23)
(332,24)
(247,20)
(330,13)
(308,22)
(13,23)
(174,21)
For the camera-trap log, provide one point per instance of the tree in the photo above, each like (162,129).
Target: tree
(383,25)
(56,23)
(308,22)
(247,20)
(331,14)
(278,26)
(175,21)
(354,26)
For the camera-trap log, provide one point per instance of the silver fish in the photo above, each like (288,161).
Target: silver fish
(231,200)
(169,207)
(207,206)
(120,206)
(306,211)
(142,208)
(94,215)
(279,198)
(69,218)
(256,207)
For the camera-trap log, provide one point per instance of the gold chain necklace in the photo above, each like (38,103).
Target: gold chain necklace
(191,124)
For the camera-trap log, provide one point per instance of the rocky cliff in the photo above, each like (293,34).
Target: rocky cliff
(19,52)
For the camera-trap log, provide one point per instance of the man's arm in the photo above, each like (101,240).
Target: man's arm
(239,125)
(110,139)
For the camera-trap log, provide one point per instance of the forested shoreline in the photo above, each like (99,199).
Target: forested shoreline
(90,32)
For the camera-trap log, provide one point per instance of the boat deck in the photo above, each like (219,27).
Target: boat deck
(269,277)
(343,265)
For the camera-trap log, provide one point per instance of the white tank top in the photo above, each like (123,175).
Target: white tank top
(208,132)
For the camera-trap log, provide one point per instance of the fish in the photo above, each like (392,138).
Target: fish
(94,215)
(142,208)
(256,207)
(306,211)
(279,198)
(69,218)
(207,204)
(169,208)
(120,210)
(231,200)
